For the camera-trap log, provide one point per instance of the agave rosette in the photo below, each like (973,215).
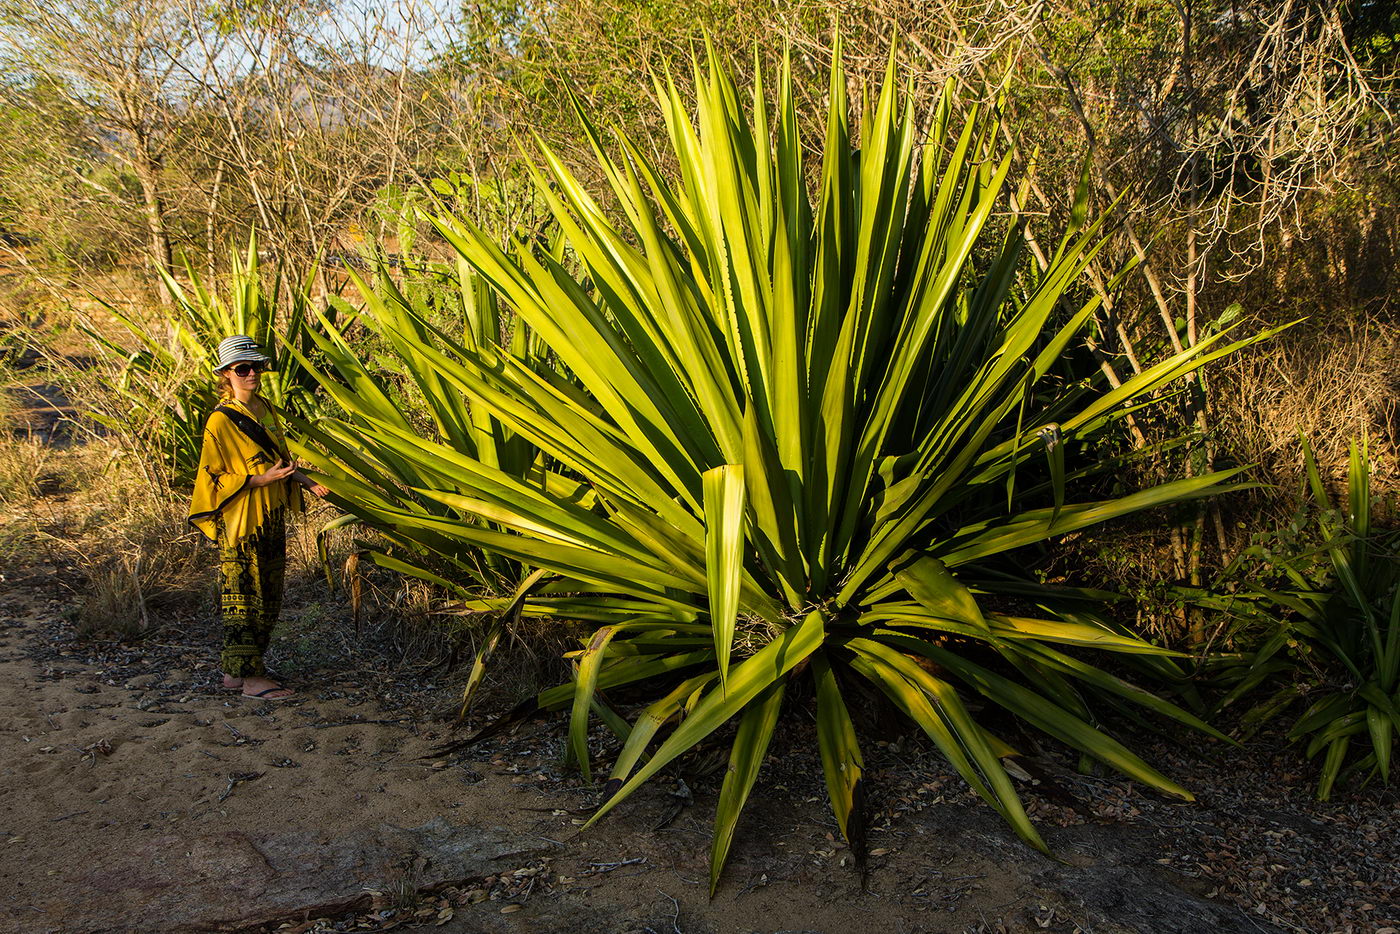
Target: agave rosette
(790,435)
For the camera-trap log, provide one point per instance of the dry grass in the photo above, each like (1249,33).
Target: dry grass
(80,511)
(73,503)
(25,469)
(1332,387)
(140,560)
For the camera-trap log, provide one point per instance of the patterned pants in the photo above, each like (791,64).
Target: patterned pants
(251,575)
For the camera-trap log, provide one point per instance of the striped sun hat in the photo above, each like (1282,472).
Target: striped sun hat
(240,349)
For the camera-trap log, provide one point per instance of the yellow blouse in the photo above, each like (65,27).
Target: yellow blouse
(228,460)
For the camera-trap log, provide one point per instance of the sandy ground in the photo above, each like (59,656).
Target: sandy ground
(138,796)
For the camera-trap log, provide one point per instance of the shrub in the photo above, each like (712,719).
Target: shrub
(370,453)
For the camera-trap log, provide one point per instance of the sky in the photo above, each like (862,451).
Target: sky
(395,29)
(384,33)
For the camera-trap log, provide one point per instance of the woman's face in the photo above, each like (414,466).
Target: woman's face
(245,375)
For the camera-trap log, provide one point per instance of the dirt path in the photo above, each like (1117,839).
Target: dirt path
(137,796)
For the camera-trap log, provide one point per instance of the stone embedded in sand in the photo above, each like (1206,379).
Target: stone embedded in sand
(175,884)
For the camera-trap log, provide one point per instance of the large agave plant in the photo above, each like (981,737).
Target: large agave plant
(795,437)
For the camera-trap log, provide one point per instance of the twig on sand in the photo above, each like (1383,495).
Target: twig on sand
(323,724)
(235,779)
(675,918)
(600,868)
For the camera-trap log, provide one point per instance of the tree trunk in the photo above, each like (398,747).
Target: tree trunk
(209,217)
(147,169)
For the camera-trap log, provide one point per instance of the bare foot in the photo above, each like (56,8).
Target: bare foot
(266,689)
(231,682)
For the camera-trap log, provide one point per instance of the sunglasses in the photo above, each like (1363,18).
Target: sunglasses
(248,369)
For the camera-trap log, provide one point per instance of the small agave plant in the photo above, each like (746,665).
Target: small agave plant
(783,442)
(1330,603)
(163,391)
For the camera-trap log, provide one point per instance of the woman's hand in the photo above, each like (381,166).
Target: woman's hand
(274,474)
(310,484)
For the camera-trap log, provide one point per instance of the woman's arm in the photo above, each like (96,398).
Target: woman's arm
(292,473)
(310,484)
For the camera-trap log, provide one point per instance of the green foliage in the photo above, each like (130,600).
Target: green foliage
(74,209)
(1325,592)
(505,203)
(159,395)
(789,438)
(610,46)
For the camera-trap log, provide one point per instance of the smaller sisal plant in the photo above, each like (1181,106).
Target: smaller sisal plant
(1328,598)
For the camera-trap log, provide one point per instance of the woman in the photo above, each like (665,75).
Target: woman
(245,486)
